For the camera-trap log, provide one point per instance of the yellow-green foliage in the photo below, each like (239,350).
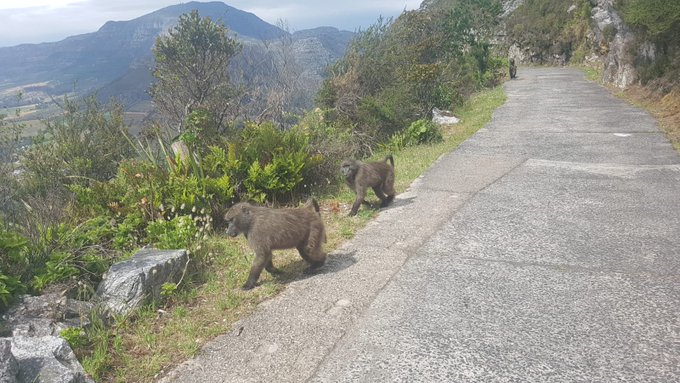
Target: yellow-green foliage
(656,17)
(548,29)
(657,21)
(395,73)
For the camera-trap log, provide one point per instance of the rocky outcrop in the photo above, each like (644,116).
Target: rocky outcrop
(8,364)
(47,359)
(510,5)
(614,39)
(138,280)
(45,315)
(36,353)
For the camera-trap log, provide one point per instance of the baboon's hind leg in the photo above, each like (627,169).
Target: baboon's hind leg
(311,250)
(271,269)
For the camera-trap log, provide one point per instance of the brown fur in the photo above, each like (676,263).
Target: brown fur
(512,68)
(270,229)
(378,175)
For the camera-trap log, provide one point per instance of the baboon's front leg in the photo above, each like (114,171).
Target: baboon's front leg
(262,258)
(361,194)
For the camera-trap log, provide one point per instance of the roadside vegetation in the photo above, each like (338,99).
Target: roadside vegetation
(658,21)
(87,192)
(551,29)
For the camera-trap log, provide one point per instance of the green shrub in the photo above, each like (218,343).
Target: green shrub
(418,133)
(79,253)
(394,73)
(75,336)
(129,232)
(9,288)
(656,17)
(13,265)
(327,145)
(282,175)
(266,164)
(84,144)
(177,233)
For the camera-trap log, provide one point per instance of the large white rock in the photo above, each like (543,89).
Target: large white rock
(443,117)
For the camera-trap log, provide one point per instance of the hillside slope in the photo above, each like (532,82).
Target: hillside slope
(116,59)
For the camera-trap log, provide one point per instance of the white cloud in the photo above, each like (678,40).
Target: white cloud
(51,4)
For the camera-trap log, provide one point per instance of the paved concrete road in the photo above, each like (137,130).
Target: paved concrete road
(545,249)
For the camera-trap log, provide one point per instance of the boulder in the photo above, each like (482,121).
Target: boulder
(46,359)
(8,364)
(509,6)
(610,31)
(443,117)
(47,314)
(138,280)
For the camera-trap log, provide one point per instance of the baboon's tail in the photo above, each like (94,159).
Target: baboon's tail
(389,157)
(311,202)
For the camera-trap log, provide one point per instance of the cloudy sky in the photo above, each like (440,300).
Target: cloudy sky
(35,21)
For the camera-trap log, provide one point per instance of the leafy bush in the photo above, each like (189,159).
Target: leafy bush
(395,73)
(181,89)
(85,144)
(177,233)
(267,164)
(10,143)
(9,288)
(74,254)
(658,18)
(75,336)
(13,265)
(419,132)
(280,176)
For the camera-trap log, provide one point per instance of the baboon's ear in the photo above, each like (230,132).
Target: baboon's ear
(245,209)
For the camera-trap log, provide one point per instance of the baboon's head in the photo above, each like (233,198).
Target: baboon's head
(348,168)
(238,219)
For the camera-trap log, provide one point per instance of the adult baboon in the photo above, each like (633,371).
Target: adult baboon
(513,68)
(378,175)
(270,229)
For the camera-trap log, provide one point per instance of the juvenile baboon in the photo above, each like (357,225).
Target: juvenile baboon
(513,68)
(268,229)
(378,175)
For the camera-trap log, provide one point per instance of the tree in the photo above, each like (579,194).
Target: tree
(191,71)
(395,73)
(86,143)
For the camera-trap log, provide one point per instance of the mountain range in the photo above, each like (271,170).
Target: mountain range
(116,60)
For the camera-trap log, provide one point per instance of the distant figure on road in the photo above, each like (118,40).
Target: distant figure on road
(513,68)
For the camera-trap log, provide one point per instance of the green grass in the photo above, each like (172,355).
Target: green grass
(413,161)
(140,348)
(592,74)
